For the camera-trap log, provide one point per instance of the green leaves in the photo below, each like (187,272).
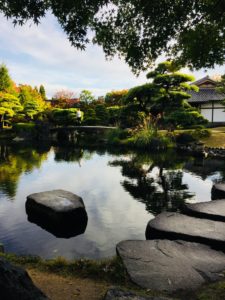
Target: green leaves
(191,32)
(165,98)
(6,82)
(31,100)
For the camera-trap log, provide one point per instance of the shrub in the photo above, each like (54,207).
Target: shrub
(24,126)
(131,116)
(200,133)
(116,136)
(91,121)
(148,139)
(101,114)
(90,117)
(185,117)
(61,116)
(114,113)
(191,136)
(185,138)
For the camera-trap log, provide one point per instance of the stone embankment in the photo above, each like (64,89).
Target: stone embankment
(199,149)
(183,250)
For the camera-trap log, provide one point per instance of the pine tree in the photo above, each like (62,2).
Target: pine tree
(42,92)
(6,82)
(31,101)
(9,106)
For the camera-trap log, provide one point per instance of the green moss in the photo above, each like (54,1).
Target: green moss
(214,291)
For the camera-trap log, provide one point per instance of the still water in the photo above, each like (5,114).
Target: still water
(121,190)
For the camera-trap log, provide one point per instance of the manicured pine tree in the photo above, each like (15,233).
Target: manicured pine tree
(9,106)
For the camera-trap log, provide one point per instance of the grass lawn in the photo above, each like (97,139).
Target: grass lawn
(216,139)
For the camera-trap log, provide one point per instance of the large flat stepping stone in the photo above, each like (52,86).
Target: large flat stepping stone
(119,294)
(213,210)
(60,212)
(172,226)
(171,266)
(218,191)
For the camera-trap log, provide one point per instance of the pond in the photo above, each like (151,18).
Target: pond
(122,191)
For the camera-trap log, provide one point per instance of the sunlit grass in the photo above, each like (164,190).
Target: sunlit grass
(216,139)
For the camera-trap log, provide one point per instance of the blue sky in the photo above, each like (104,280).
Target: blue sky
(42,55)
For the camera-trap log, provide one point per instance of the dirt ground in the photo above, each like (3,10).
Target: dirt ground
(57,287)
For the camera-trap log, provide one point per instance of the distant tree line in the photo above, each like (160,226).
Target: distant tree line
(160,103)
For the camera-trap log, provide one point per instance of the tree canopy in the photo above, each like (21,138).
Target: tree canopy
(6,83)
(86,96)
(165,97)
(42,92)
(193,32)
(9,105)
(31,100)
(115,97)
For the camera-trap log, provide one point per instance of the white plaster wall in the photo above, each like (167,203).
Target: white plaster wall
(207,114)
(219,115)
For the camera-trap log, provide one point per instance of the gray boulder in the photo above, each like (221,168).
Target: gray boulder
(15,284)
(213,210)
(60,212)
(171,266)
(174,226)
(58,201)
(118,294)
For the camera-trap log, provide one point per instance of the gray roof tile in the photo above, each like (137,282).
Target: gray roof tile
(205,95)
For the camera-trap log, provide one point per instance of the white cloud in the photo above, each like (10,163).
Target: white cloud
(43,55)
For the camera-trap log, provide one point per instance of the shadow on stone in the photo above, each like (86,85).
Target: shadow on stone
(175,226)
(218,191)
(212,210)
(59,212)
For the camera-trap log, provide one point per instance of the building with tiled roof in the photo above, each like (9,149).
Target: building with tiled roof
(208,100)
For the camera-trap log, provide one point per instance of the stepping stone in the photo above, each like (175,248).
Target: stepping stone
(60,212)
(119,294)
(171,266)
(218,191)
(213,210)
(173,226)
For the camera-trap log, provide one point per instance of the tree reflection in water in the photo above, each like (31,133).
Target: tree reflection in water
(155,179)
(72,154)
(16,160)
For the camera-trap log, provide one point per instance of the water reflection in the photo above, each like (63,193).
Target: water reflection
(71,154)
(122,190)
(16,160)
(206,167)
(155,180)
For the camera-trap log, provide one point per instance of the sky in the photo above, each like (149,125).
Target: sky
(42,54)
